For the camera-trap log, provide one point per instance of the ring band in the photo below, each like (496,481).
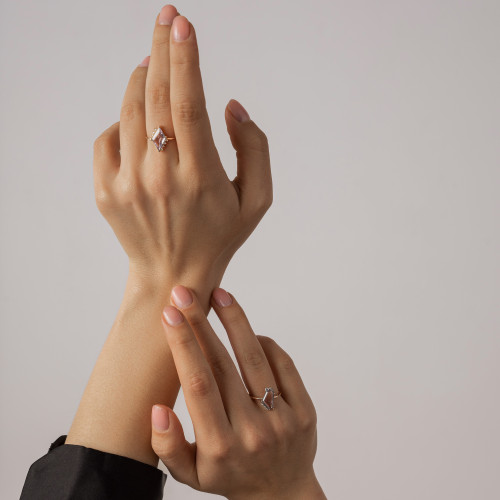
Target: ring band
(267,401)
(160,140)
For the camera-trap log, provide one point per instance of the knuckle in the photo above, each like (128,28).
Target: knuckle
(161,41)
(189,59)
(197,320)
(221,450)
(258,441)
(102,143)
(261,202)
(161,448)
(220,365)
(255,359)
(103,199)
(307,422)
(265,340)
(259,142)
(158,187)
(164,449)
(159,95)
(200,384)
(182,339)
(266,200)
(130,192)
(188,112)
(286,363)
(131,110)
(235,316)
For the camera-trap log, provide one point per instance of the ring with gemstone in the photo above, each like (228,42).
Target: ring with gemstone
(267,401)
(159,138)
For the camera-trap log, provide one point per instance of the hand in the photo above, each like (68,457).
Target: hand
(242,451)
(175,212)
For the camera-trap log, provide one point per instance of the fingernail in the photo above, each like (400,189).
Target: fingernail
(160,418)
(181,29)
(238,111)
(144,63)
(222,298)
(167,15)
(182,296)
(172,316)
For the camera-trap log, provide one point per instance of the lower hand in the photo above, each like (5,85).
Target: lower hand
(242,450)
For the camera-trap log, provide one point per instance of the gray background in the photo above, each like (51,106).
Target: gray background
(377,267)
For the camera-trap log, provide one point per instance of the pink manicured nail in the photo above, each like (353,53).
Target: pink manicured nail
(167,15)
(238,111)
(145,63)
(182,296)
(222,298)
(181,29)
(172,316)
(160,418)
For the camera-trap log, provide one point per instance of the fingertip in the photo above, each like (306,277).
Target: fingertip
(160,418)
(172,316)
(221,297)
(237,111)
(167,15)
(181,296)
(181,29)
(145,62)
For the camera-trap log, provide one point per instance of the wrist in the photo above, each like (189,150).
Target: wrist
(308,488)
(156,282)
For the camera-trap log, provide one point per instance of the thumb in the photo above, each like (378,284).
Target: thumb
(252,152)
(170,445)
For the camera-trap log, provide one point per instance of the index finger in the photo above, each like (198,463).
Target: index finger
(202,395)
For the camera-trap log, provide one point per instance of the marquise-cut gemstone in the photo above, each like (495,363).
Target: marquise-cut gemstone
(160,139)
(268,399)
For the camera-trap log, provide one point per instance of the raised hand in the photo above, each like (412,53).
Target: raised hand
(175,211)
(242,449)
(178,217)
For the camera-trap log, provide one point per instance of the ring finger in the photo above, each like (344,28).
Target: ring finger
(132,117)
(253,363)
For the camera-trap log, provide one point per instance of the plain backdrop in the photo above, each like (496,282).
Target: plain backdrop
(377,267)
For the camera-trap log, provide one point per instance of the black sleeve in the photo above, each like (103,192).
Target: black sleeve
(74,472)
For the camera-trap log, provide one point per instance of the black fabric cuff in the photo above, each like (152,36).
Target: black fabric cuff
(75,472)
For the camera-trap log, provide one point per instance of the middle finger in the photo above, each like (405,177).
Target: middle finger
(158,113)
(233,393)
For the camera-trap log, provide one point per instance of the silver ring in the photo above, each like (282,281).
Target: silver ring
(267,401)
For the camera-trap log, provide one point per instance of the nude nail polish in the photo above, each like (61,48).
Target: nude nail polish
(167,15)
(144,63)
(222,298)
(172,316)
(182,297)
(160,418)
(238,111)
(181,29)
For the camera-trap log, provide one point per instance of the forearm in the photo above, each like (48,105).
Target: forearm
(134,371)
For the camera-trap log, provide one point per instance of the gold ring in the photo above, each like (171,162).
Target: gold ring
(160,140)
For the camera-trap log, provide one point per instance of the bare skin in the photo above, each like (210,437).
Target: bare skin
(242,451)
(178,217)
